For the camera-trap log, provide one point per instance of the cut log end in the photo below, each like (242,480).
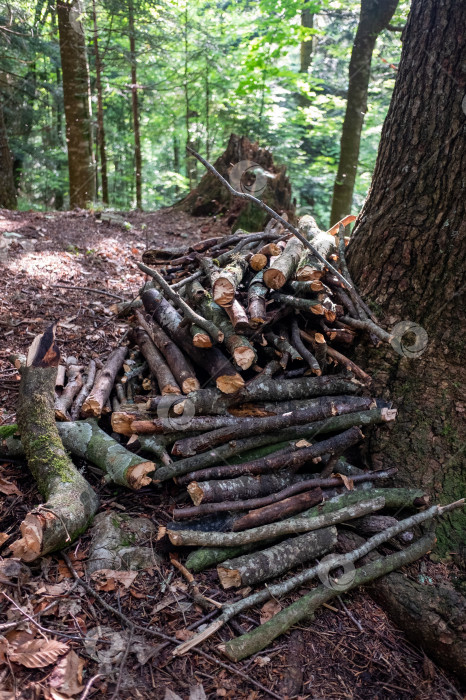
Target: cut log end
(195,492)
(190,384)
(388,414)
(29,547)
(140,475)
(308,274)
(202,340)
(229,578)
(223,292)
(274,279)
(258,262)
(91,407)
(244,357)
(229,383)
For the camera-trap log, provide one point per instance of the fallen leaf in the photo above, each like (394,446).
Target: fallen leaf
(38,653)
(3,537)
(349,484)
(269,610)
(9,488)
(108,579)
(262,660)
(66,677)
(13,571)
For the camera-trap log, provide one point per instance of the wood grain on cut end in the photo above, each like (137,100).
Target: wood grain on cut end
(229,383)
(170,389)
(202,340)
(122,422)
(195,492)
(244,357)
(317,310)
(223,292)
(138,475)
(91,407)
(308,274)
(258,262)
(229,578)
(274,279)
(190,384)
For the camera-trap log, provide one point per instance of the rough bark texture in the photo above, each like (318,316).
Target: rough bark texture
(100,108)
(274,561)
(77,106)
(7,183)
(375,16)
(409,242)
(210,197)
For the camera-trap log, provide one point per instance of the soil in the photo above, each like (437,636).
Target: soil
(348,651)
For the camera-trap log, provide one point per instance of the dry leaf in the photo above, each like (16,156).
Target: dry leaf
(108,579)
(14,571)
(38,653)
(3,537)
(66,677)
(262,660)
(346,480)
(269,610)
(9,488)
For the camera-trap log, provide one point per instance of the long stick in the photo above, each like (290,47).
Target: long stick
(269,210)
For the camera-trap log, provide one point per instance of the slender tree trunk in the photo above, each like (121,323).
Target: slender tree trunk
(375,16)
(76,97)
(135,106)
(100,109)
(307,46)
(408,254)
(7,184)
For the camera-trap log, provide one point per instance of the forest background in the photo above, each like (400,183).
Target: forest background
(274,71)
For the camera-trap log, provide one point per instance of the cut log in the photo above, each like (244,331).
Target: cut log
(225,281)
(157,365)
(284,266)
(313,306)
(103,384)
(244,427)
(250,569)
(85,390)
(218,367)
(70,502)
(303,523)
(73,386)
(224,489)
(302,483)
(279,510)
(181,368)
(238,346)
(257,293)
(238,317)
(302,349)
(258,261)
(308,431)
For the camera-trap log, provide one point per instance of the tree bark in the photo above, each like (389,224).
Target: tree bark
(100,108)
(251,569)
(409,242)
(95,402)
(375,16)
(77,107)
(7,183)
(135,106)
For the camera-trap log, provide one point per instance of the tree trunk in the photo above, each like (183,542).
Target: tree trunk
(409,243)
(100,109)
(210,197)
(77,109)
(307,46)
(375,16)
(135,106)
(7,183)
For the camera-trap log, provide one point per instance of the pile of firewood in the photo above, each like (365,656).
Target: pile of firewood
(237,385)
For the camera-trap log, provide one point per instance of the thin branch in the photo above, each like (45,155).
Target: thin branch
(89,289)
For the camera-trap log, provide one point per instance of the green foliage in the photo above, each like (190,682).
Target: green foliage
(204,69)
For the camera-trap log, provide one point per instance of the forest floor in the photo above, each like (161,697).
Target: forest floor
(350,650)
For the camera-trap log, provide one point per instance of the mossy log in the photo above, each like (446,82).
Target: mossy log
(70,502)
(254,568)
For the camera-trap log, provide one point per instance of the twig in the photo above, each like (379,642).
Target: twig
(188,312)
(156,633)
(88,687)
(201,600)
(89,289)
(350,615)
(273,214)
